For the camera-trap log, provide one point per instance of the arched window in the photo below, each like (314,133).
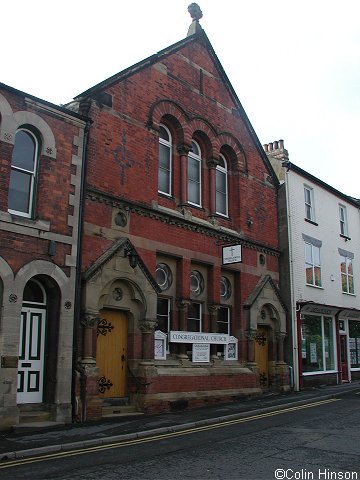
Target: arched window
(194,175)
(165,161)
(34,292)
(23,173)
(222,187)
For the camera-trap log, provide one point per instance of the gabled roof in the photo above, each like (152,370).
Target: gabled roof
(201,37)
(291,166)
(121,244)
(259,288)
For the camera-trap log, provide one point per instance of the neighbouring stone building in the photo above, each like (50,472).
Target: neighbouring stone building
(41,160)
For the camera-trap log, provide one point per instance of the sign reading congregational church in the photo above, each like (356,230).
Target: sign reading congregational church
(198,337)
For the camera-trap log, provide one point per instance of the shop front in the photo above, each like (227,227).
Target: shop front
(329,345)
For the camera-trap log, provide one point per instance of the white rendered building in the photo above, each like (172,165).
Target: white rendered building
(320,240)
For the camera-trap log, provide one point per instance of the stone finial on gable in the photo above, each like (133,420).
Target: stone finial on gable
(196,14)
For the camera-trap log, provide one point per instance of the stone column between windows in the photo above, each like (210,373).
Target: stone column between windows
(212,163)
(182,306)
(213,313)
(147,329)
(183,151)
(280,337)
(89,321)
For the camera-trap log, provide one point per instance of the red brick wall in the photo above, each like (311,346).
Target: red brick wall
(53,190)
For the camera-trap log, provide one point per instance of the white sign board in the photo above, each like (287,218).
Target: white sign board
(200,352)
(231,254)
(160,345)
(198,337)
(231,349)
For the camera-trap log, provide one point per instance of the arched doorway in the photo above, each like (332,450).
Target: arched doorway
(111,353)
(262,354)
(31,365)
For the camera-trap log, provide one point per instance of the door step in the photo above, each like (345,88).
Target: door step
(119,411)
(31,413)
(36,426)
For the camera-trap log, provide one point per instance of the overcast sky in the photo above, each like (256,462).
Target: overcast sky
(294,64)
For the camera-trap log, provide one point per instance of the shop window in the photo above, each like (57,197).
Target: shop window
(222,187)
(194,317)
(317,344)
(194,175)
(347,274)
(354,343)
(165,161)
(23,174)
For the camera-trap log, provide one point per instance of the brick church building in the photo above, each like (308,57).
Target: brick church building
(180,258)
(139,257)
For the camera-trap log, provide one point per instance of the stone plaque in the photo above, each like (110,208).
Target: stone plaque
(9,361)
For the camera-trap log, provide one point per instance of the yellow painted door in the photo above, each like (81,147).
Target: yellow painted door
(111,353)
(262,355)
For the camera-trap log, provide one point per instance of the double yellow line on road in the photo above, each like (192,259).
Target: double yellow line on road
(156,438)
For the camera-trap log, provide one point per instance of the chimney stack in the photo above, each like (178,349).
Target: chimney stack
(277,154)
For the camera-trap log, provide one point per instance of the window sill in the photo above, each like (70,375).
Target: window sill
(321,372)
(345,237)
(348,293)
(314,286)
(24,221)
(166,195)
(311,221)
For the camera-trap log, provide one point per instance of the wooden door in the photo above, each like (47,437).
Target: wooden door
(31,355)
(111,353)
(344,359)
(262,355)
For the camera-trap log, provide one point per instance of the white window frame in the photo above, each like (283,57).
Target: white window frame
(309,203)
(196,158)
(168,145)
(168,316)
(313,265)
(346,274)
(194,318)
(31,173)
(344,231)
(224,307)
(222,171)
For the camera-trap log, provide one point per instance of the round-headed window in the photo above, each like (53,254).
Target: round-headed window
(196,283)
(163,276)
(225,288)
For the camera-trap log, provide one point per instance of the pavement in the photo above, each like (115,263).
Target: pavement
(18,444)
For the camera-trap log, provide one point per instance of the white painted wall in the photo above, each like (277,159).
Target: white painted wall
(327,230)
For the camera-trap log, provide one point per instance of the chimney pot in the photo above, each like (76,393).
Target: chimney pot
(281,142)
(276,145)
(270,146)
(266,148)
